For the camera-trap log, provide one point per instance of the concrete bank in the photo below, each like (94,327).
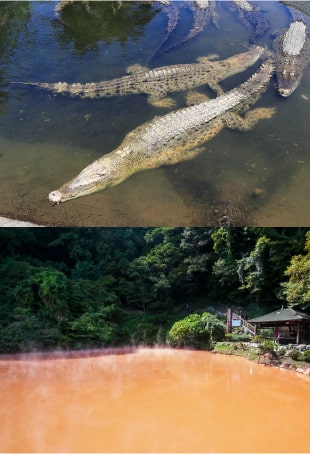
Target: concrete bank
(6,222)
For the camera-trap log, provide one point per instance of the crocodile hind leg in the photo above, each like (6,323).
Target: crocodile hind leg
(234,121)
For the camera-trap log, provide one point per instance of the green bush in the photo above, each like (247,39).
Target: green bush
(190,332)
(266,333)
(296,355)
(215,327)
(238,337)
(267,346)
(307,356)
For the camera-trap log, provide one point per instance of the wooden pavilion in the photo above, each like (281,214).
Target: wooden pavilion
(290,326)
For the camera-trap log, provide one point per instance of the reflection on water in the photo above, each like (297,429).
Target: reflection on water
(150,401)
(255,178)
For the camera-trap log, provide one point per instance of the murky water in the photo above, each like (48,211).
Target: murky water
(257,178)
(150,401)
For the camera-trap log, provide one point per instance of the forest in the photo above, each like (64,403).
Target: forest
(73,288)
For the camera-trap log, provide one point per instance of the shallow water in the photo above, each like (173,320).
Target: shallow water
(256,178)
(148,400)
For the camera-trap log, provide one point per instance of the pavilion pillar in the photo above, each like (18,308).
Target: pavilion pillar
(229,321)
(298,334)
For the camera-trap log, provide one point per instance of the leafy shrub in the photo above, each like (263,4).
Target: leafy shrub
(267,347)
(296,355)
(238,337)
(307,356)
(215,327)
(266,333)
(190,332)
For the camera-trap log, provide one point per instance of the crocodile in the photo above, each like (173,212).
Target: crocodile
(304,7)
(203,13)
(292,56)
(156,83)
(172,138)
(173,15)
(248,15)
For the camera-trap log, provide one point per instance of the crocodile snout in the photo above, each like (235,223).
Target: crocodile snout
(55,197)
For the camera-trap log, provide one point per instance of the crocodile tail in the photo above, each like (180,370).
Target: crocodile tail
(260,79)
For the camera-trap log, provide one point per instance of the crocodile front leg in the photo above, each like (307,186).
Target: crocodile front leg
(234,121)
(159,100)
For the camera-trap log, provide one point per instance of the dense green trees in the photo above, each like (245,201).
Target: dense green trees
(297,289)
(77,287)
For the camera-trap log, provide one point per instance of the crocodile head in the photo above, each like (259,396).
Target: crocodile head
(288,80)
(99,175)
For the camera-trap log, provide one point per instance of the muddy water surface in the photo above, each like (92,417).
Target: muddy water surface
(150,401)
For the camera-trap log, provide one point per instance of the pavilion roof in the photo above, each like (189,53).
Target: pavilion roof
(281,315)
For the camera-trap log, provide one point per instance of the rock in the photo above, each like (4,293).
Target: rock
(307,371)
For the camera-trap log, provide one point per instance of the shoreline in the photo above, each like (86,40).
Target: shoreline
(265,359)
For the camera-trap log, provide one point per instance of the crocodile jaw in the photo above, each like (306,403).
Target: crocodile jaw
(55,197)
(100,174)
(287,85)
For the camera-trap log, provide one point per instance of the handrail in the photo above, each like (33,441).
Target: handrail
(244,323)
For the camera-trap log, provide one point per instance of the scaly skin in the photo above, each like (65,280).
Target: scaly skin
(156,83)
(170,139)
(292,55)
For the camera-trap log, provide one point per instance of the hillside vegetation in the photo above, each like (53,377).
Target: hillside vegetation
(76,288)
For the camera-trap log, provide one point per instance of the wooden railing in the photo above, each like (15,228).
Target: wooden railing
(248,327)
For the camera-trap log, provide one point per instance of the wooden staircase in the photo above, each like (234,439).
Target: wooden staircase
(248,328)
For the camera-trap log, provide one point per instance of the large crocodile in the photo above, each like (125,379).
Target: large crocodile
(292,55)
(172,138)
(156,83)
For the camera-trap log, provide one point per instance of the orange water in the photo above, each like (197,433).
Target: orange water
(151,401)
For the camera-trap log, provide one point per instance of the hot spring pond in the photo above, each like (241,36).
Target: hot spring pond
(150,400)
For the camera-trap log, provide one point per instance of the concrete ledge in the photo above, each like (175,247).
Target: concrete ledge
(6,222)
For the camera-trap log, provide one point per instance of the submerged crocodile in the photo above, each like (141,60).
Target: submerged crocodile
(172,138)
(156,83)
(203,13)
(248,15)
(172,13)
(292,55)
(304,7)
